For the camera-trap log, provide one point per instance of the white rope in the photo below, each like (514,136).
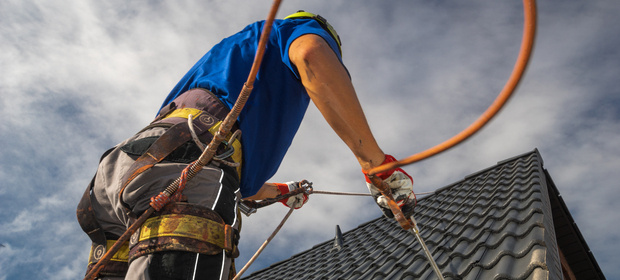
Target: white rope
(340,193)
(193,132)
(262,247)
(357,194)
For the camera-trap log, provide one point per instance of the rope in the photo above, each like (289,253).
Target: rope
(340,193)
(192,131)
(357,194)
(262,247)
(307,190)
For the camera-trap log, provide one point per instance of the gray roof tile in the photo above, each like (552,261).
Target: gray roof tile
(495,224)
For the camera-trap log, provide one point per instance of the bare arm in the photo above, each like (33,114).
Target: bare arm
(331,90)
(268,190)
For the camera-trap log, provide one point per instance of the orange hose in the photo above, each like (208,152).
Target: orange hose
(527,43)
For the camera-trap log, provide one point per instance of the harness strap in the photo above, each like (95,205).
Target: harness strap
(88,221)
(184,227)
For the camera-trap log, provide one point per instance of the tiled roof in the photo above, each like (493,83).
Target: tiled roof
(494,224)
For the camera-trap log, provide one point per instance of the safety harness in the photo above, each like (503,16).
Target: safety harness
(178,226)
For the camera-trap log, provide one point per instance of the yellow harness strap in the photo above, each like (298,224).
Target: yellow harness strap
(184,113)
(184,227)
(180,225)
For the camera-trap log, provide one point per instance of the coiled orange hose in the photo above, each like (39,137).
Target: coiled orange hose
(527,43)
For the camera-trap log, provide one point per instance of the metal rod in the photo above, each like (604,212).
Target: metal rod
(416,231)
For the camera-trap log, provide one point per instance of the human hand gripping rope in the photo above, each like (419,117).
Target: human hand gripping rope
(400,186)
(295,201)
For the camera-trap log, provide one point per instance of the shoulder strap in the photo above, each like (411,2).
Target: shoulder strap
(86,215)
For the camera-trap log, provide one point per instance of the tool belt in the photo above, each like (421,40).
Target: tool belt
(184,227)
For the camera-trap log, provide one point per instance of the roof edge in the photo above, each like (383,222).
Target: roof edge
(477,173)
(554,194)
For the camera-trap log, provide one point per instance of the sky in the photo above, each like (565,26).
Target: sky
(80,76)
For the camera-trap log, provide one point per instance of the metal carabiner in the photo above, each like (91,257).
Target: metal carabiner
(307,186)
(226,154)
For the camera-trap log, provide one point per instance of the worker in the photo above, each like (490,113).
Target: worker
(302,63)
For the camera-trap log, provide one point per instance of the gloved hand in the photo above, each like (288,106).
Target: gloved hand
(295,201)
(401,185)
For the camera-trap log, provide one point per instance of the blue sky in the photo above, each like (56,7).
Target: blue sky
(80,76)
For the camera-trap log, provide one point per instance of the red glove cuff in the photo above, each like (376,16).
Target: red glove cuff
(386,174)
(283,190)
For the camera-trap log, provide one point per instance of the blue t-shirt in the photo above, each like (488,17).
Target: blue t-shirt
(278,102)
